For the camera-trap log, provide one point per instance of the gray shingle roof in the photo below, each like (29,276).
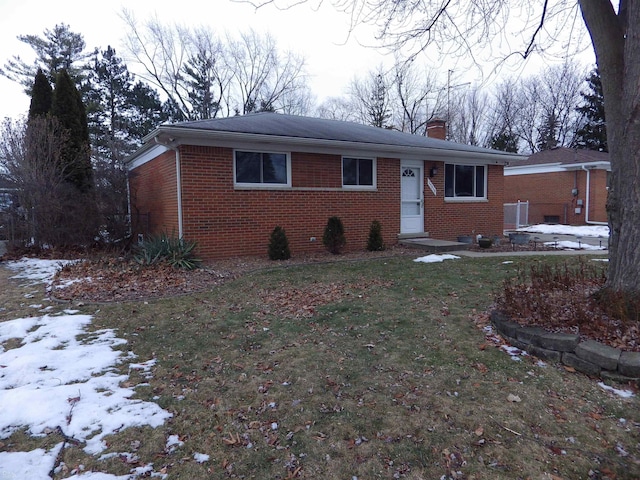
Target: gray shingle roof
(564,156)
(292,126)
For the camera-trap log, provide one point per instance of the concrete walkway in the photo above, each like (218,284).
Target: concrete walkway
(529,253)
(440,246)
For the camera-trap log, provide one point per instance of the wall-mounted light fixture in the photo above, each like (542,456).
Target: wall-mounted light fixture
(433,171)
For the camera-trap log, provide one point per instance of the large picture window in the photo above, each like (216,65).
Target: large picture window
(358,172)
(261,168)
(465,181)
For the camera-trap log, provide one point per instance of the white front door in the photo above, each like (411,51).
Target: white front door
(412,197)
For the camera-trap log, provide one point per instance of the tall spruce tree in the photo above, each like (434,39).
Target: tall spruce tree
(592,135)
(41,96)
(68,108)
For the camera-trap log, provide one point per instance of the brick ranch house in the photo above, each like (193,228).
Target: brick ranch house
(562,185)
(227,182)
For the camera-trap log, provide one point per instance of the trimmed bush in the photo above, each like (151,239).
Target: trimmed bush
(375,242)
(177,252)
(333,238)
(279,245)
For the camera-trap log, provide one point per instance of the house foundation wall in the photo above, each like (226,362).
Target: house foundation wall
(228,221)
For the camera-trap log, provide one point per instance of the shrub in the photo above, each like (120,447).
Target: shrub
(333,237)
(279,245)
(177,252)
(375,242)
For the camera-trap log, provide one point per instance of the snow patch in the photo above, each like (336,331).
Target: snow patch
(433,258)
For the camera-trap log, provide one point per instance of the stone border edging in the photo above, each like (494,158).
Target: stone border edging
(590,357)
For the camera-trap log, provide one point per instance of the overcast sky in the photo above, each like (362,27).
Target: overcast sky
(333,56)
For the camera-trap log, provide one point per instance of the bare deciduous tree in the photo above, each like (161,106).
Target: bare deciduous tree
(204,76)
(417,98)
(48,209)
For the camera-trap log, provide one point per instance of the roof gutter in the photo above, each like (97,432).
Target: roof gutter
(231,139)
(586,201)
(178,180)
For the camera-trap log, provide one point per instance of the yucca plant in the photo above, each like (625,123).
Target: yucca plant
(177,252)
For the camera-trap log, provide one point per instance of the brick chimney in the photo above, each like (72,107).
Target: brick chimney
(437,129)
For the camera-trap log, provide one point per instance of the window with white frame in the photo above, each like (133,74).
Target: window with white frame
(465,181)
(358,172)
(261,168)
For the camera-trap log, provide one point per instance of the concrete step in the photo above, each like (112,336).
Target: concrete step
(432,245)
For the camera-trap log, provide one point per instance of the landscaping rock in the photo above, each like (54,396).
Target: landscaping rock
(598,353)
(561,342)
(514,342)
(615,377)
(572,360)
(629,364)
(528,334)
(544,354)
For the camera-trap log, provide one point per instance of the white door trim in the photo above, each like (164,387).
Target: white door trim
(412,222)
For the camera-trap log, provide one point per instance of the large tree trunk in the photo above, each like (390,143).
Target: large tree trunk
(616,40)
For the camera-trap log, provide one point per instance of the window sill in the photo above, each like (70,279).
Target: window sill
(261,186)
(465,200)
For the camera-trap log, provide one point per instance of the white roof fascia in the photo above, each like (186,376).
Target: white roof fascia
(553,168)
(238,140)
(146,155)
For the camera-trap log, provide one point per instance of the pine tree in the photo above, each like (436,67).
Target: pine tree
(199,72)
(377,109)
(548,133)
(58,49)
(120,112)
(592,135)
(68,108)
(279,245)
(333,237)
(505,141)
(375,242)
(41,96)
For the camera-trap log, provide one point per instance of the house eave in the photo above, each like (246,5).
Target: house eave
(177,136)
(554,168)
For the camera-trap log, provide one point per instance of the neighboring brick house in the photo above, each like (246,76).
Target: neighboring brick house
(227,182)
(562,185)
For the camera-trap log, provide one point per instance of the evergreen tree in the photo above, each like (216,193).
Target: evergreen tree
(548,133)
(333,237)
(41,96)
(279,245)
(200,80)
(592,135)
(120,112)
(375,242)
(68,108)
(58,49)
(377,108)
(505,141)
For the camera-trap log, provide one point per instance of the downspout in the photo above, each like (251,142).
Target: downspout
(178,183)
(586,201)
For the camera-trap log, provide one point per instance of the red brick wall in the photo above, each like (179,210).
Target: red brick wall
(550,194)
(228,221)
(598,196)
(153,196)
(446,220)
